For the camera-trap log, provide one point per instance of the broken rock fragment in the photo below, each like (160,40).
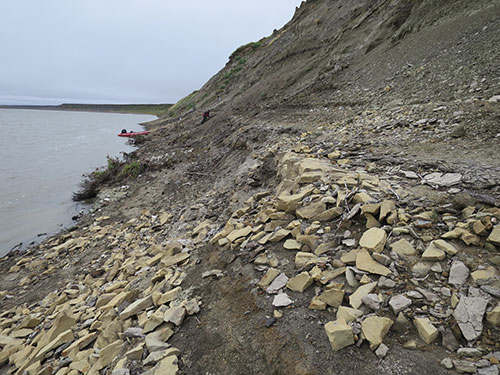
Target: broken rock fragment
(268,278)
(399,303)
(469,315)
(426,330)
(282,300)
(443,179)
(278,283)
(175,315)
(459,273)
(348,314)
(493,316)
(332,297)
(433,253)
(339,334)
(373,239)
(300,282)
(365,262)
(494,236)
(403,248)
(374,329)
(355,300)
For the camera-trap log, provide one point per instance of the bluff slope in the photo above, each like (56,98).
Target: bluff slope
(352,166)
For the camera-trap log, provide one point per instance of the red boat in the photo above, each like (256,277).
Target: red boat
(132,134)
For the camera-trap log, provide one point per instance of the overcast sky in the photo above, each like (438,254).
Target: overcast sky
(123,51)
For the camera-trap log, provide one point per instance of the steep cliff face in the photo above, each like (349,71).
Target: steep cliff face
(357,51)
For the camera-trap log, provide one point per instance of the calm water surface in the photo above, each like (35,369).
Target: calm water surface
(43,155)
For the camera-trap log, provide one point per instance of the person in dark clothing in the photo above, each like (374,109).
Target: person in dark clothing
(206,116)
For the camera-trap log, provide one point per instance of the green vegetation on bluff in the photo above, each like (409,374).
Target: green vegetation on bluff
(117,171)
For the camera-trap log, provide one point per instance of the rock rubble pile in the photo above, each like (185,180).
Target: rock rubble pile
(377,258)
(115,319)
(385,267)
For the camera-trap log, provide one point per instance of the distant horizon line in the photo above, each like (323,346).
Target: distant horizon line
(81,104)
(27,100)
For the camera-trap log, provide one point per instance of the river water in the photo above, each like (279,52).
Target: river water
(43,155)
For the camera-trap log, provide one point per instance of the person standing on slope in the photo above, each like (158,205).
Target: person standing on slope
(206,116)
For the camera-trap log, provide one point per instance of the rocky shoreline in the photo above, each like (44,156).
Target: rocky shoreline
(354,246)
(340,213)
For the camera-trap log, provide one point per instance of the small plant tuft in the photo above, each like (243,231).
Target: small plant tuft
(115,172)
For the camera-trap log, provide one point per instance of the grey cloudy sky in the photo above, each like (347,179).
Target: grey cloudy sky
(123,51)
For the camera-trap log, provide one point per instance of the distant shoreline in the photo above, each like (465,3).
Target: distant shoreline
(152,109)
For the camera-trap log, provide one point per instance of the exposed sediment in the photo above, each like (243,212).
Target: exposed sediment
(339,216)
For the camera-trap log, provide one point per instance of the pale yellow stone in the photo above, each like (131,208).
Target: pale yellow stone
(356,297)
(175,259)
(62,338)
(323,248)
(445,246)
(300,282)
(136,307)
(168,296)
(34,368)
(329,214)
(330,274)
(151,262)
(310,211)
(265,239)
(371,222)
(386,208)
(82,366)
(135,354)
(21,333)
(108,354)
(268,278)
(316,273)
(348,314)
(310,240)
(279,235)
(371,208)
(79,344)
(223,241)
(104,299)
(470,239)
(334,155)
(350,257)
(482,275)
(362,198)
(374,329)
(291,244)
(493,317)
(117,285)
(478,227)
(317,304)
(403,248)
(433,253)
(332,297)
(116,300)
(373,239)
(365,262)
(339,334)
(167,366)
(495,235)
(303,259)
(290,202)
(365,279)
(426,330)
